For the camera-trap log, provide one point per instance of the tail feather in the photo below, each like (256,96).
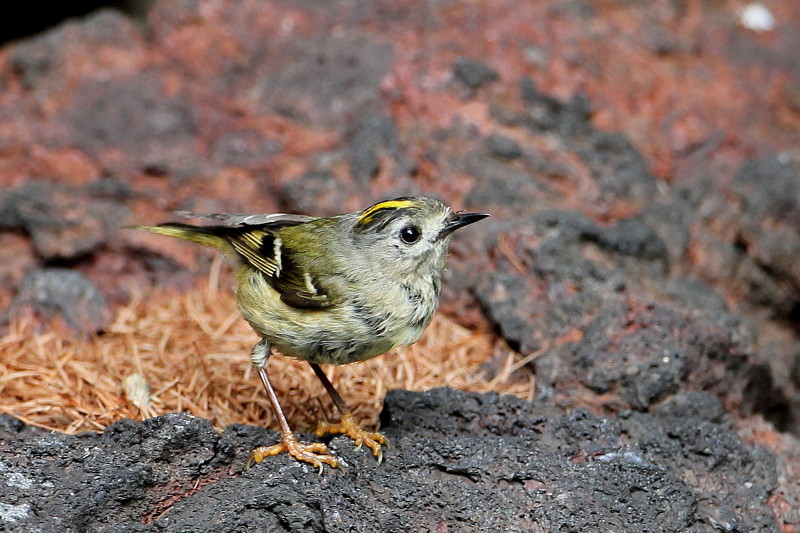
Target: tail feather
(211,236)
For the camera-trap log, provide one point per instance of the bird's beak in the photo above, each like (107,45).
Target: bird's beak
(459,220)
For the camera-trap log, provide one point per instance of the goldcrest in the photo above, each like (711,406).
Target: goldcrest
(332,290)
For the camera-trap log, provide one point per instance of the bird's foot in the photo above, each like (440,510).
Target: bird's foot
(315,453)
(348,426)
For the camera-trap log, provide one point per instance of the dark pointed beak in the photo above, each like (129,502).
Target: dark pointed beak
(459,220)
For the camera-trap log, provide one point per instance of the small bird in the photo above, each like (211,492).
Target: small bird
(332,290)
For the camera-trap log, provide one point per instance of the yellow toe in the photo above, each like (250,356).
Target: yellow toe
(348,426)
(315,453)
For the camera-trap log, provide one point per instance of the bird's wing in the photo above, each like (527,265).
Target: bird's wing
(261,247)
(256,240)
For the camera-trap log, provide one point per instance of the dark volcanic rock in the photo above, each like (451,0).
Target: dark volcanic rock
(768,230)
(598,297)
(50,292)
(458,462)
(135,116)
(502,146)
(63,222)
(473,73)
(324,78)
(318,191)
(43,62)
(373,134)
(630,236)
(587,305)
(546,113)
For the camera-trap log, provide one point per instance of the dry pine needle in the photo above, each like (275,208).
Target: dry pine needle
(190,352)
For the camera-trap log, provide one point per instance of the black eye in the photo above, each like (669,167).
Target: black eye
(410,234)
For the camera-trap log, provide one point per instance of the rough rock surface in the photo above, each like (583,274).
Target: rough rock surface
(458,462)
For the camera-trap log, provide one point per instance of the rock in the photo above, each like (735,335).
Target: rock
(318,192)
(244,148)
(769,228)
(61,292)
(63,222)
(373,134)
(473,74)
(630,236)
(16,258)
(502,146)
(326,78)
(43,62)
(501,188)
(458,461)
(546,113)
(134,116)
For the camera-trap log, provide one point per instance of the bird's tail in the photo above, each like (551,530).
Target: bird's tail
(211,236)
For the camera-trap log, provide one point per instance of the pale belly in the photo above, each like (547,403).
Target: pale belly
(336,335)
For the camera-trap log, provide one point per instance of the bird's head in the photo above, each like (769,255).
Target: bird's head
(408,234)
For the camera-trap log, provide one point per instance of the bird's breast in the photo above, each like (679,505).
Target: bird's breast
(368,323)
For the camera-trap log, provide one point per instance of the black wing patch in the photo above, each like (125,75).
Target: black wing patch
(299,288)
(304,300)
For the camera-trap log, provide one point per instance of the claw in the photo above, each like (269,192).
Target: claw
(315,453)
(348,426)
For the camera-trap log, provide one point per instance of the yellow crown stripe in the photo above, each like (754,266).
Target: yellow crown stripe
(389,204)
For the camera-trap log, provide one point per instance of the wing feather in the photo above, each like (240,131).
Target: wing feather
(261,247)
(233,220)
(256,240)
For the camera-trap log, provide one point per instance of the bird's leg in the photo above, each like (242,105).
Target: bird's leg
(315,453)
(348,425)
